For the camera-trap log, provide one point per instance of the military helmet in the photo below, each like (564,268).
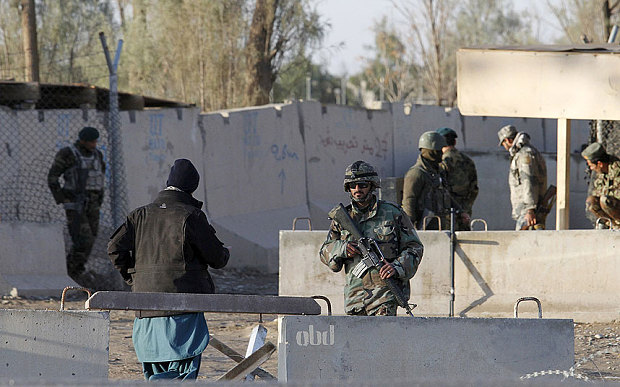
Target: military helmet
(360,171)
(432,140)
(594,152)
(447,132)
(508,131)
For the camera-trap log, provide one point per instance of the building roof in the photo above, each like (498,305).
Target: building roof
(73,96)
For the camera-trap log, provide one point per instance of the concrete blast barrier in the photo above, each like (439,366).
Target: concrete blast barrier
(573,273)
(32,259)
(328,348)
(52,345)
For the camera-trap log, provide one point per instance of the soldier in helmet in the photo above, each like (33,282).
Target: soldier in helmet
(604,201)
(462,178)
(83,169)
(390,227)
(527,178)
(425,190)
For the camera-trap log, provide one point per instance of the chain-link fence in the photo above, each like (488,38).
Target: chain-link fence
(36,121)
(608,134)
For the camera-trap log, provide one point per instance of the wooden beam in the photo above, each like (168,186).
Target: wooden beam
(191,302)
(563,175)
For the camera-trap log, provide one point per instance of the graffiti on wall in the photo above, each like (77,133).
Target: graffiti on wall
(376,147)
(156,143)
(251,139)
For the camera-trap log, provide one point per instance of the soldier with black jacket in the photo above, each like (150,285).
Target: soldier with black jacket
(83,169)
(167,246)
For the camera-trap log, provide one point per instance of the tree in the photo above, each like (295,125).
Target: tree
(585,21)
(390,72)
(436,29)
(70,51)
(280,29)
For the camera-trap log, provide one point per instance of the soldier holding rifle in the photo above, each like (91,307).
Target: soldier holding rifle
(396,243)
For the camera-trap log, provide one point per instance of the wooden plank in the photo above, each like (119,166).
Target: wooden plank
(563,175)
(539,84)
(253,361)
(190,302)
(237,357)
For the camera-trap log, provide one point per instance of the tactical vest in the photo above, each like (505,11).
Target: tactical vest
(86,174)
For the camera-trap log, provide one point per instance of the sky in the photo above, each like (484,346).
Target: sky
(351,29)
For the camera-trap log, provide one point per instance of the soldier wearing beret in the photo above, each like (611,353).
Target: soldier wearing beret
(461,176)
(83,170)
(527,178)
(604,201)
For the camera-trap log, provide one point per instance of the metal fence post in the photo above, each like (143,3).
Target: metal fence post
(117,191)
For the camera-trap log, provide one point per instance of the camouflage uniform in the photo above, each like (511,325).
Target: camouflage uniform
(462,180)
(425,193)
(81,196)
(527,179)
(399,243)
(606,193)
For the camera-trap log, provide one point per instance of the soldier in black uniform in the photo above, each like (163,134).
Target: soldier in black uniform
(82,167)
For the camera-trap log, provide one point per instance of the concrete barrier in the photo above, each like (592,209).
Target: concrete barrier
(380,349)
(32,259)
(54,345)
(572,272)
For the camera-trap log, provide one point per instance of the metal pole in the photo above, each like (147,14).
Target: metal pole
(308,88)
(343,90)
(613,34)
(118,202)
(452,248)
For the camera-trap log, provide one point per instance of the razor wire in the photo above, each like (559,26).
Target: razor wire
(570,373)
(32,132)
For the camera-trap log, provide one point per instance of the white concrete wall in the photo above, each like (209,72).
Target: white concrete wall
(152,139)
(380,350)
(573,273)
(32,257)
(68,346)
(262,167)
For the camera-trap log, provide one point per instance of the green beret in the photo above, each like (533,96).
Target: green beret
(447,132)
(88,134)
(594,152)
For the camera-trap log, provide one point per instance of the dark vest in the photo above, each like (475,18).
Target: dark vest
(164,262)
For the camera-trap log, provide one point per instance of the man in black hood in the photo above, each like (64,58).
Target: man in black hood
(167,246)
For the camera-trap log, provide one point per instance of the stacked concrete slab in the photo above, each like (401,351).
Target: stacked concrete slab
(573,273)
(66,347)
(32,257)
(378,350)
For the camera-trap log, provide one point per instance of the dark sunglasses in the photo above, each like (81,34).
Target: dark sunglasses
(361,185)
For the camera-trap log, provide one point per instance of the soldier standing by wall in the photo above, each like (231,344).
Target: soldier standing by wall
(527,178)
(393,232)
(425,190)
(604,201)
(83,169)
(462,178)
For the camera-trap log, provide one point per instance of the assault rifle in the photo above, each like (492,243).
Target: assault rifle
(371,254)
(544,206)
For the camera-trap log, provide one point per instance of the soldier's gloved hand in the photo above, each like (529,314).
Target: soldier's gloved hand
(352,249)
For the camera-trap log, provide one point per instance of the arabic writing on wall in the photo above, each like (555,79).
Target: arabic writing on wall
(376,147)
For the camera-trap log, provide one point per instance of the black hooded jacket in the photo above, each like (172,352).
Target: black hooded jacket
(167,246)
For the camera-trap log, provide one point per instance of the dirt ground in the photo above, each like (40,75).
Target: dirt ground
(597,345)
